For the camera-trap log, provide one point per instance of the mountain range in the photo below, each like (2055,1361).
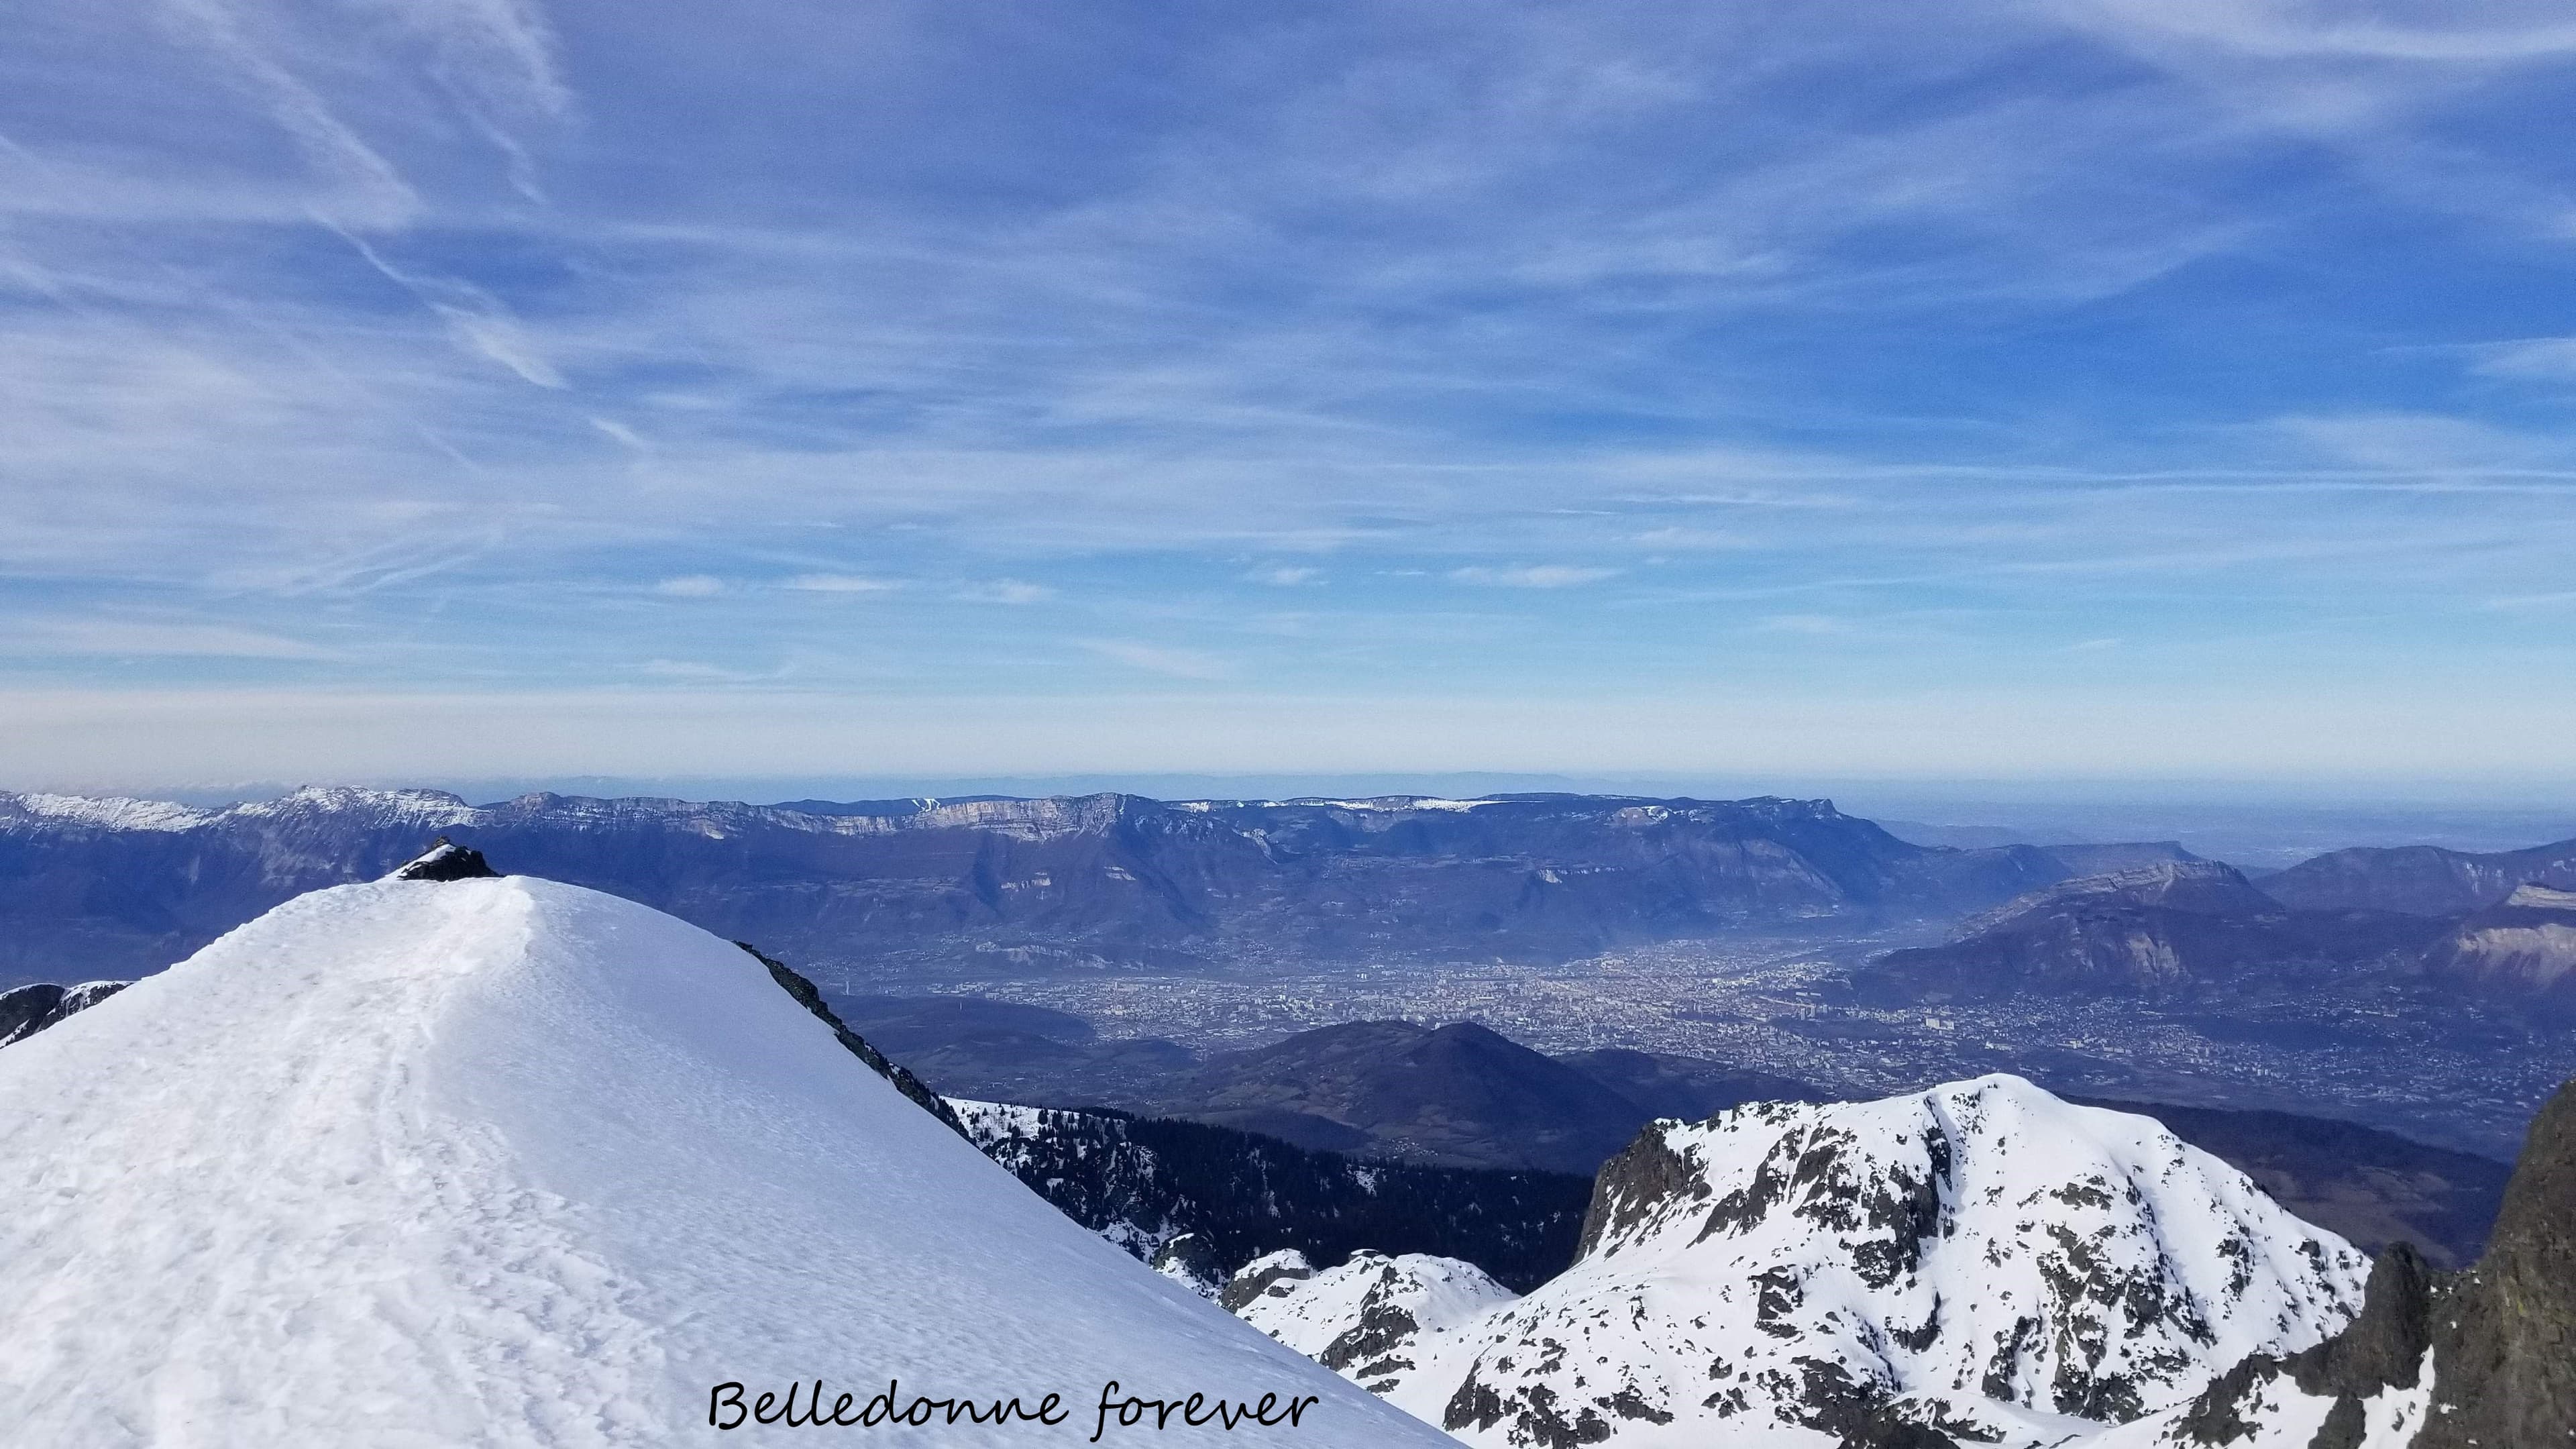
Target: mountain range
(92,887)
(631,1160)
(1463,1123)
(2188,929)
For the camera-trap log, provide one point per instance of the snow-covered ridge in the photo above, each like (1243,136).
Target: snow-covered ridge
(1980,1258)
(1371,1318)
(114,812)
(504,1162)
(432,809)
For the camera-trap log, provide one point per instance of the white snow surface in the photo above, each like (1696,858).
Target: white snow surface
(506,1162)
(1375,1312)
(1983,1252)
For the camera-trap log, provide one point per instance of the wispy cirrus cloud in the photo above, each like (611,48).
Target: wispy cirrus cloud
(1161,659)
(162,639)
(1603,334)
(842,584)
(1532,576)
(1005,591)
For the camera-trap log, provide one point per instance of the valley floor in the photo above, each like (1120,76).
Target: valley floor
(2443,1073)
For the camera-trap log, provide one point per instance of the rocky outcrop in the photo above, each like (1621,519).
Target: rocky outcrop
(2481,1359)
(1191,1260)
(1276,1273)
(1375,1319)
(905,1082)
(1978,1262)
(29,1009)
(2504,1356)
(445,860)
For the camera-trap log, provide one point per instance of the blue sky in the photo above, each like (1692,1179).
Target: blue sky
(2071,388)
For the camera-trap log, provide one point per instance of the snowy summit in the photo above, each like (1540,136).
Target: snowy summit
(499,1161)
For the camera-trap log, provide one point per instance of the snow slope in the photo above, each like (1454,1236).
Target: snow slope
(1981,1257)
(507,1162)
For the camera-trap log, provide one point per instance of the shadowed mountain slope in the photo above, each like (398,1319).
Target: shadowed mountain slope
(2423,880)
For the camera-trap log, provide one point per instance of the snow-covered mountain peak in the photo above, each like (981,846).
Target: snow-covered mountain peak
(1981,1258)
(505,1162)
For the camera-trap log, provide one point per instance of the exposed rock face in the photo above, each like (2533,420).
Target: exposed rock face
(1276,1272)
(1191,1260)
(2163,930)
(2524,947)
(2504,1358)
(30,1009)
(1115,878)
(1145,1182)
(2482,1359)
(445,860)
(1981,1261)
(1375,1317)
(2425,880)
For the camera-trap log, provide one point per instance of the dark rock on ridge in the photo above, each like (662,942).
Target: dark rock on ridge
(446,860)
(2502,1334)
(904,1081)
(29,1009)
(1258,1277)
(1193,1257)
(2504,1355)
(2385,1344)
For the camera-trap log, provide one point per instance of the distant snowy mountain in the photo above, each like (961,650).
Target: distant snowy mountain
(1981,1261)
(507,1162)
